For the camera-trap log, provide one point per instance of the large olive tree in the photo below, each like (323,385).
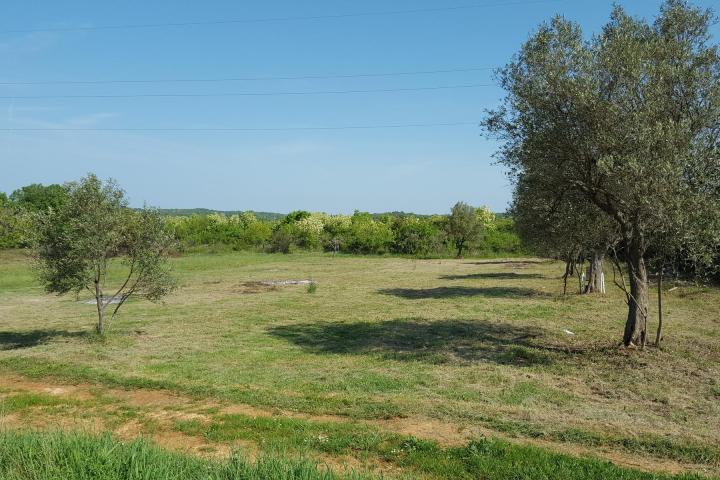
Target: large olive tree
(629,120)
(93,234)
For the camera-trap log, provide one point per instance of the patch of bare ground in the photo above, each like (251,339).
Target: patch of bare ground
(163,409)
(345,464)
(148,398)
(253,287)
(445,434)
(174,440)
(250,411)
(77,392)
(10,420)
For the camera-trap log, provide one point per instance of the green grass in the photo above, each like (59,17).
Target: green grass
(471,344)
(62,456)
(22,401)
(58,456)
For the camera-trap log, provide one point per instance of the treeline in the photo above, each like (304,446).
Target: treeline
(465,231)
(360,233)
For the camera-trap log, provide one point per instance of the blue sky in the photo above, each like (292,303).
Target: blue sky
(424,170)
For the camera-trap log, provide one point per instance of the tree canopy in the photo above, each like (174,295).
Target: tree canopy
(37,197)
(94,233)
(625,124)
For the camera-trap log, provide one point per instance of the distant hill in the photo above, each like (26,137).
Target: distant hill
(186,212)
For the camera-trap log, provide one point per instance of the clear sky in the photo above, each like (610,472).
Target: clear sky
(419,169)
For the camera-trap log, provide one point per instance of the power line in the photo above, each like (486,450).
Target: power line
(279,19)
(230,130)
(249,94)
(256,78)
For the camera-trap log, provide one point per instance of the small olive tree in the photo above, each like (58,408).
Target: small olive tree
(78,243)
(463,226)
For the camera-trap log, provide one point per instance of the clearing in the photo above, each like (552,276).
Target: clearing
(387,351)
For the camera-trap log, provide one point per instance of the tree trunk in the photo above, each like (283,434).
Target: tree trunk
(658,336)
(595,272)
(100,327)
(460,247)
(565,276)
(636,325)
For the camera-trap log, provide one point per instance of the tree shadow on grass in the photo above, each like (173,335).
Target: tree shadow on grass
(455,292)
(33,338)
(414,339)
(509,262)
(493,276)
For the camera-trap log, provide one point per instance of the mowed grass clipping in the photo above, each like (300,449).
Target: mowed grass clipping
(63,456)
(476,346)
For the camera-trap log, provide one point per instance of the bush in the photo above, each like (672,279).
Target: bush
(366,236)
(282,239)
(417,236)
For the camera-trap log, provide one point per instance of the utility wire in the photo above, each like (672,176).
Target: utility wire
(243,79)
(249,94)
(279,19)
(251,129)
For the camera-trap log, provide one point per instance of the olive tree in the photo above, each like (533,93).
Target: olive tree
(627,120)
(94,234)
(463,226)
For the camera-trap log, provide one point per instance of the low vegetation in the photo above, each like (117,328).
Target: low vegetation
(60,456)
(480,232)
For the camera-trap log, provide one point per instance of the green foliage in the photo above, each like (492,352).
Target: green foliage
(77,243)
(38,198)
(282,239)
(12,227)
(416,236)
(14,218)
(296,216)
(240,231)
(465,225)
(367,236)
(361,233)
(187,212)
(502,239)
(619,129)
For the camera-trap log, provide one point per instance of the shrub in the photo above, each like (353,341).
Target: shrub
(366,236)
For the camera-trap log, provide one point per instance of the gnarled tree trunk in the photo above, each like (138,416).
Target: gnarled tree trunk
(636,325)
(595,272)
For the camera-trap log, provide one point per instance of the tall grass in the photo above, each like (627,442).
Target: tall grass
(61,456)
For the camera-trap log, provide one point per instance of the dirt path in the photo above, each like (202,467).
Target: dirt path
(158,411)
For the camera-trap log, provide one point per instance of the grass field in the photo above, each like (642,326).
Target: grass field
(396,367)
